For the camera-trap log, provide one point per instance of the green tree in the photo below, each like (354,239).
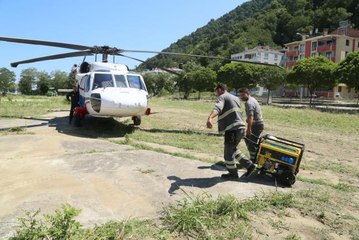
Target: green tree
(313,73)
(202,79)
(7,80)
(27,79)
(185,80)
(158,84)
(43,82)
(271,77)
(347,71)
(238,75)
(62,80)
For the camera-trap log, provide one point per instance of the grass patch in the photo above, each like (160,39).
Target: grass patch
(194,217)
(320,121)
(343,187)
(35,106)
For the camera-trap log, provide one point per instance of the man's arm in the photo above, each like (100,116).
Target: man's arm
(210,119)
(249,121)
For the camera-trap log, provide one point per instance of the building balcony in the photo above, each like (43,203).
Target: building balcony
(292,53)
(325,48)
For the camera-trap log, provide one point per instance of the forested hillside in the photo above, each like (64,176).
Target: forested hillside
(259,22)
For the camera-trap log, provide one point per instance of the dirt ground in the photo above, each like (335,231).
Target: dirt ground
(52,163)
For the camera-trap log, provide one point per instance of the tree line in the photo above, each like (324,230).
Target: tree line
(32,81)
(311,73)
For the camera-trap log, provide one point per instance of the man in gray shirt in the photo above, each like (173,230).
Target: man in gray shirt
(255,123)
(230,122)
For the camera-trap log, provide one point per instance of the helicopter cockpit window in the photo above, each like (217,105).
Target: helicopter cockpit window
(120,81)
(85,83)
(135,82)
(102,81)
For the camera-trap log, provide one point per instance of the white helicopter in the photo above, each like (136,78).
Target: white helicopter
(106,89)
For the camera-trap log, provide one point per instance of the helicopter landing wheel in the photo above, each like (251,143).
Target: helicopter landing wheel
(136,120)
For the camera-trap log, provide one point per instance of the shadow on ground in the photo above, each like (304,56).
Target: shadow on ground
(192,182)
(262,179)
(93,127)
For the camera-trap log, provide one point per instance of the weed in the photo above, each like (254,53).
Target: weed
(61,225)
(292,236)
(146,171)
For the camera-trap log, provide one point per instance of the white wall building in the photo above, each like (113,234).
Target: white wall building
(262,54)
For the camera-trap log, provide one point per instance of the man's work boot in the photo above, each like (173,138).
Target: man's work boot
(250,170)
(230,176)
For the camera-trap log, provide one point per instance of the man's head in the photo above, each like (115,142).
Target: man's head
(220,89)
(244,94)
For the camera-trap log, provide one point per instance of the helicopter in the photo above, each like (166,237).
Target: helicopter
(105,89)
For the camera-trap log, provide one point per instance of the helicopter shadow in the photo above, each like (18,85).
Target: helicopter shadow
(42,122)
(92,127)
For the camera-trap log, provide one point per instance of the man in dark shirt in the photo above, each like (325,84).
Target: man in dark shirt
(73,97)
(230,122)
(255,123)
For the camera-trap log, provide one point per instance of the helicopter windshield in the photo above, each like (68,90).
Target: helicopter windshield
(134,81)
(120,81)
(102,80)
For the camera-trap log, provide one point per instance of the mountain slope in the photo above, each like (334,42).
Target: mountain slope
(259,22)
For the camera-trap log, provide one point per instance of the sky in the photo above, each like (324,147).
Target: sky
(128,24)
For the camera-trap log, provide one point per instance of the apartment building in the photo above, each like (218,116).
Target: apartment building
(262,54)
(335,46)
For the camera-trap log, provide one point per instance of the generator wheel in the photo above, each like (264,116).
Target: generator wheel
(287,178)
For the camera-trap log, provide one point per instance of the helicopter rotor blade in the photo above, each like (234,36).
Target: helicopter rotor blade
(56,56)
(195,55)
(45,43)
(137,59)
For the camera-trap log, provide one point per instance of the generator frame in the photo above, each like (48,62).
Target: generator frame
(279,157)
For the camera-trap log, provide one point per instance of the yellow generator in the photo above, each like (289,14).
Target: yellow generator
(279,157)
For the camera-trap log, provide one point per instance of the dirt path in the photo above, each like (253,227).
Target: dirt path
(54,163)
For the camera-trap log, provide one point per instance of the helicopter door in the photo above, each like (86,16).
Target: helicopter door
(83,90)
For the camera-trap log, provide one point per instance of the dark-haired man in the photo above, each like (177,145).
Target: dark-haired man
(73,97)
(255,123)
(230,122)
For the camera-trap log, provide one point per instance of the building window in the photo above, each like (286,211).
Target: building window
(302,48)
(275,56)
(339,89)
(347,42)
(266,56)
(328,54)
(314,54)
(314,46)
